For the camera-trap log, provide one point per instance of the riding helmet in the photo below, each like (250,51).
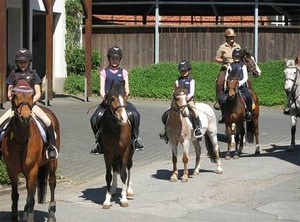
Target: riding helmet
(237,53)
(184,65)
(23,55)
(114,52)
(229,32)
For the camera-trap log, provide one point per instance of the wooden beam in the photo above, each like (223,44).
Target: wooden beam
(88,46)
(49,49)
(3,51)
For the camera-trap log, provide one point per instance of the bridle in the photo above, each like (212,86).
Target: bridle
(15,106)
(177,108)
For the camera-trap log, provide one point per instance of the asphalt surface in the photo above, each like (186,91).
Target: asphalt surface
(259,188)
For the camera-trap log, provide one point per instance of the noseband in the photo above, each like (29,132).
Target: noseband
(179,109)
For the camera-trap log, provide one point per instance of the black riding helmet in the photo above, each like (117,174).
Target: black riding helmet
(23,55)
(114,52)
(237,53)
(184,66)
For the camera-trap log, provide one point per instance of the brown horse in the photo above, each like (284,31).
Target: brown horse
(23,152)
(234,115)
(116,143)
(179,130)
(251,65)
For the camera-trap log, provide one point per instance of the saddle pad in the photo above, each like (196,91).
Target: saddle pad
(42,130)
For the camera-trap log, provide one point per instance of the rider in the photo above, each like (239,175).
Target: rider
(114,73)
(239,68)
(286,111)
(187,82)
(224,56)
(23,59)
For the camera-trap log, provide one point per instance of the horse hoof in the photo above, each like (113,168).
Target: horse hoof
(227,157)
(130,196)
(220,171)
(105,206)
(235,157)
(173,178)
(184,179)
(257,152)
(51,219)
(196,173)
(124,204)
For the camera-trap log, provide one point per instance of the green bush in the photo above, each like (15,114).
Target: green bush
(157,81)
(4,179)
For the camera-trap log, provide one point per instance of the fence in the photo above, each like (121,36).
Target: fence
(193,43)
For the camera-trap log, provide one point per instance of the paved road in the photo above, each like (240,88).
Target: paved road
(264,188)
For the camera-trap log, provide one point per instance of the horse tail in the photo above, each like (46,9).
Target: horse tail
(250,132)
(210,149)
(42,183)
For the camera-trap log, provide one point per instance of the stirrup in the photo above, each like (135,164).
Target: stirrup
(54,150)
(217,106)
(197,136)
(138,144)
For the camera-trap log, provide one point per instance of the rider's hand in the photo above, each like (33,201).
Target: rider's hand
(225,61)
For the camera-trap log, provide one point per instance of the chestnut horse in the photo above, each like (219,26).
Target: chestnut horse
(116,143)
(234,115)
(23,152)
(180,131)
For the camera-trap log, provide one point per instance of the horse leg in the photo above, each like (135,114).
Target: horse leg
(123,174)
(31,179)
(130,193)
(197,147)
(256,133)
(230,134)
(174,176)
(14,194)
(238,141)
(216,149)
(293,131)
(108,177)
(185,160)
(114,184)
(52,185)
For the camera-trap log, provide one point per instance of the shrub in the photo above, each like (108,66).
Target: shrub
(4,179)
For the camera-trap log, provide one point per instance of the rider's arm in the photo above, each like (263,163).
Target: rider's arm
(219,56)
(245,75)
(9,92)
(126,88)
(192,89)
(102,86)
(37,95)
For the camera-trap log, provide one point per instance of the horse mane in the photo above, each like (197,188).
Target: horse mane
(116,89)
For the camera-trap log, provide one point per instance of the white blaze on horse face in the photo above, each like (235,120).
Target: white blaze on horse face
(289,75)
(183,103)
(256,66)
(123,112)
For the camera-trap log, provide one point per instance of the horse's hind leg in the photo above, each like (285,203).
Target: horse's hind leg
(293,132)
(123,174)
(197,147)
(212,143)
(52,185)
(130,193)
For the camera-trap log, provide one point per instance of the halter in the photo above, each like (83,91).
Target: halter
(179,109)
(23,103)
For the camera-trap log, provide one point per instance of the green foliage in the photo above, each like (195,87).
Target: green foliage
(4,179)
(157,81)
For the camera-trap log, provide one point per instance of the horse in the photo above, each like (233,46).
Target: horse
(292,83)
(115,139)
(23,152)
(234,112)
(180,131)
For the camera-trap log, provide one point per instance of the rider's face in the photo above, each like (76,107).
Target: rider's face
(184,73)
(230,40)
(114,61)
(23,64)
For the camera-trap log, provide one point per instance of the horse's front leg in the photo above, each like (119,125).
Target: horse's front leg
(123,174)
(293,132)
(13,176)
(174,176)
(52,185)
(185,160)
(256,133)
(230,135)
(108,177)
(197,147)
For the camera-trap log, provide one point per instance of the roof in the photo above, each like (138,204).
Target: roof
(288,8)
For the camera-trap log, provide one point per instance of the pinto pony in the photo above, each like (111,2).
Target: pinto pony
(234,114)
(180,131)
(116,143)
(23,152)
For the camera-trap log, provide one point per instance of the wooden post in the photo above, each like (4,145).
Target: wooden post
(3,52)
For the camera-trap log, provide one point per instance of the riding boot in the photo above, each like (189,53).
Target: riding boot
(248,114)
(51,152)
(137,143)
(198,126)
(98,149)
(163,135)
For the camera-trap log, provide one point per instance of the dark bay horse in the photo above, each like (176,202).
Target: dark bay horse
(251,65)
(23,152)
(292,87)
(116,143)
(180,131)
(234,115)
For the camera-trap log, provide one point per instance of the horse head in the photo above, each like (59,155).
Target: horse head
(180,101)
(290,74)
(22,101)
(250,63)
(116,100)
(232,85)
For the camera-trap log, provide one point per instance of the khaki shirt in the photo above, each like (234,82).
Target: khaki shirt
(225,51)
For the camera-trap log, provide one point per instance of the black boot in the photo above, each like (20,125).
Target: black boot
(51,152)
(97,150)
(138,144)
(286,111)
(163,135)
(197,131)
